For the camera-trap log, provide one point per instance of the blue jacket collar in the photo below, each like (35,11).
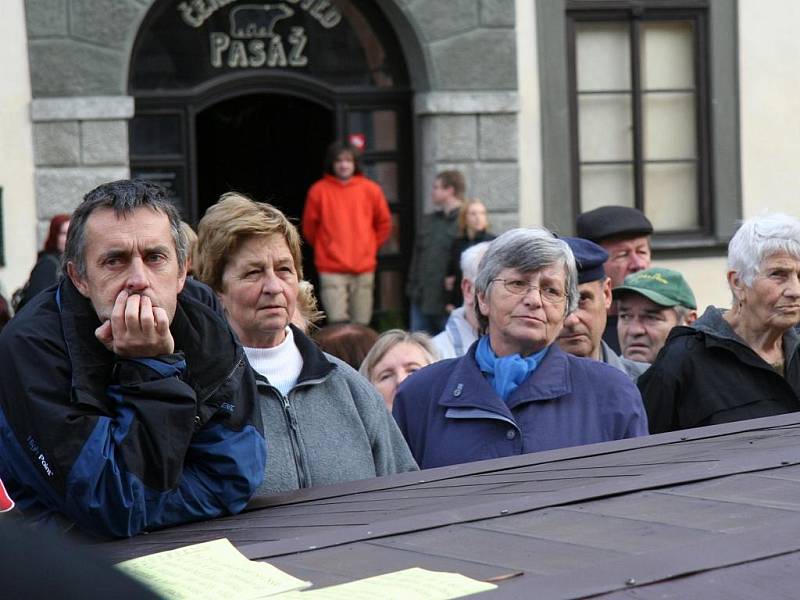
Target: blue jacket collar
(466,386)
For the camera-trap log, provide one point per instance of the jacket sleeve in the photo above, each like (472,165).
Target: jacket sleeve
(659,393)
(413,278)
(390,452)
(311,216)
(134,460)
(410,423)
(382,217)
(637,424)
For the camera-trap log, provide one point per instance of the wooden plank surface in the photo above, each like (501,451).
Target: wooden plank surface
(571,523)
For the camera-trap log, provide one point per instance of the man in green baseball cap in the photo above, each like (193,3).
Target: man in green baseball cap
(649,304)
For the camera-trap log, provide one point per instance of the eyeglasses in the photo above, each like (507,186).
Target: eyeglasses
(520,287)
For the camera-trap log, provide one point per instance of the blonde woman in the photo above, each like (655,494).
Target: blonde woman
(323,422)
(395,355)
(473,228)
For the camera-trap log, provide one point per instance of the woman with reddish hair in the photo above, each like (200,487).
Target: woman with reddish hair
(47,270)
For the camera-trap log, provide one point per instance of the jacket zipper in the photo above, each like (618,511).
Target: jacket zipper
(302,476)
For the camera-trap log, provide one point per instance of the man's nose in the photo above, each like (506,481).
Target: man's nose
(636,262)
(137,276)
(571,320)
(635,327)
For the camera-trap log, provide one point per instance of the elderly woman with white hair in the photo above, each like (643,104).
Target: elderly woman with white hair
(516,391)
(740,363)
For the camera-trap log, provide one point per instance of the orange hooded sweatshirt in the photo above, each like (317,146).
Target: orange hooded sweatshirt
(346,222)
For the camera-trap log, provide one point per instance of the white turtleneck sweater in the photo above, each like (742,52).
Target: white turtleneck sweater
(281,365)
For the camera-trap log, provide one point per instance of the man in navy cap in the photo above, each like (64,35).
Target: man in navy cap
(624,233)
(583,328)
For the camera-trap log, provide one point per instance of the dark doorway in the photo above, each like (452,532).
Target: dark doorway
(268,146)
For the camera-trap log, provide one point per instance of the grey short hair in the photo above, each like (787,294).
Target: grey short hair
(526,250)
(471,258)
(123,197)
(388,340)
(682,312)
(759,238)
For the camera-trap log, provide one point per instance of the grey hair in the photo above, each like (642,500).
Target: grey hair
(471,258)
(759,238)
(388,340)
(123,197)
(526,250)
(682,313)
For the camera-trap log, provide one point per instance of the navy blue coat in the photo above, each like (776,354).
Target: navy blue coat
(449,413)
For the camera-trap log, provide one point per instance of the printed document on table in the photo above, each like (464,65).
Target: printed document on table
(213,570)
(409,584)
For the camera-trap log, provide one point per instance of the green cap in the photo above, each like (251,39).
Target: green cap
(665,287)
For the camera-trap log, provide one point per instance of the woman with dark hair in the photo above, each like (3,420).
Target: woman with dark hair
(346,219)
(47,270)
(348,341)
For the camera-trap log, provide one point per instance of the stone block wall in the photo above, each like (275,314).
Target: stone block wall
(477,134)
(468,120)
(78,143)
(466,115)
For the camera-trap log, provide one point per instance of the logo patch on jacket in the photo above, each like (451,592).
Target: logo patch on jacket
(39,456)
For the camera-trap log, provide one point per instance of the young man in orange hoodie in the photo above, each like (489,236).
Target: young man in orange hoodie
(346,219)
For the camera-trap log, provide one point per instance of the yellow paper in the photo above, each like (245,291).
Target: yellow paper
(409,584)
(211,570)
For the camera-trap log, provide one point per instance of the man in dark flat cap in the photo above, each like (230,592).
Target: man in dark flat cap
(583,328)
(624,233)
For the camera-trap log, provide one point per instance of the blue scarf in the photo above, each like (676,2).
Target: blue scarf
(508,372)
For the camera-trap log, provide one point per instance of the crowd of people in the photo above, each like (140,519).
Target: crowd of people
(156,378)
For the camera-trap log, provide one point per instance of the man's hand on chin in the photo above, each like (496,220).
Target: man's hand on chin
(136,328)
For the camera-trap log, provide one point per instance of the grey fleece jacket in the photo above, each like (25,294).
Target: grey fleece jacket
(331,427)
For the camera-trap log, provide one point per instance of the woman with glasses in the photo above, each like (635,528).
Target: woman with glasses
(516,391)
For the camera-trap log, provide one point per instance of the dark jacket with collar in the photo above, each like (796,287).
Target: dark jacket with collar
(425,286)
(117,446)
(706,375)
(450,414)
(331,427)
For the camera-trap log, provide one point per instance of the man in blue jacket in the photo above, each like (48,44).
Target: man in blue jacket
(125,401)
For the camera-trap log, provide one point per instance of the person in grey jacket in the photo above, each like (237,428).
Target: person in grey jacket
(323,422)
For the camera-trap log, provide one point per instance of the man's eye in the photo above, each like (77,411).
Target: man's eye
(517,285)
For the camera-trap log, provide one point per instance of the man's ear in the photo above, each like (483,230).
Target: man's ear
(182,278)
(483,306)
(608,297)
(468,292)
(77,280)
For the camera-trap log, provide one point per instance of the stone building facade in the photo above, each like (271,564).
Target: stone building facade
(460,97)
(181,92)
